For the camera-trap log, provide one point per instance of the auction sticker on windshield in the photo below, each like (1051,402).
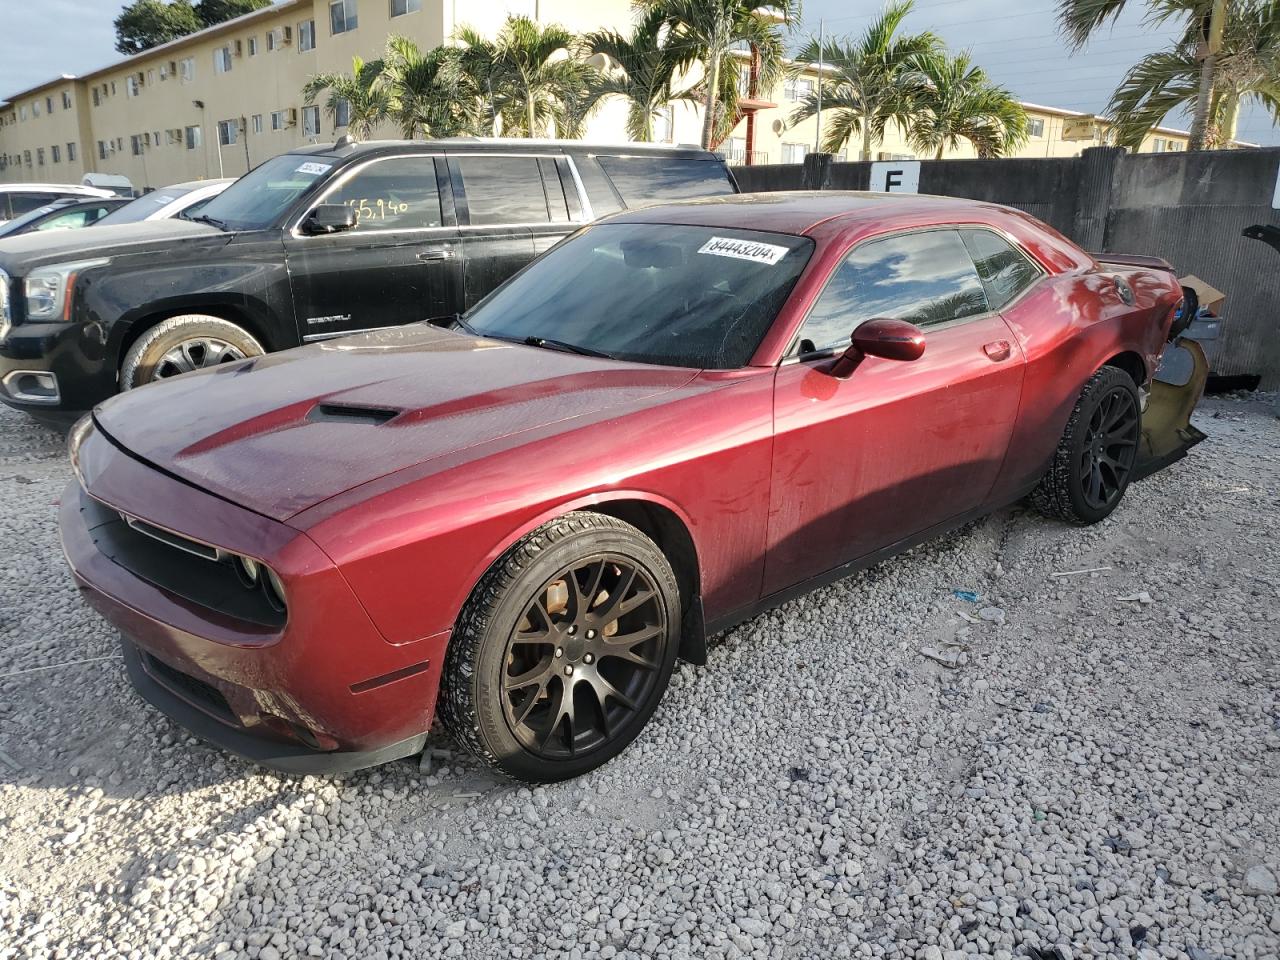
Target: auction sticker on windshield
(744,250)
(314,168)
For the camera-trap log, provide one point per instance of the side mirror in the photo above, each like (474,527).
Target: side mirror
(329,218)
(889,339)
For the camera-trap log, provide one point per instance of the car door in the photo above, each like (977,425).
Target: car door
(502,199)
(400,262)
(899,447)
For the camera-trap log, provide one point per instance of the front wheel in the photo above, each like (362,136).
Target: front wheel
(182,344)
(564,649)
(1094,462)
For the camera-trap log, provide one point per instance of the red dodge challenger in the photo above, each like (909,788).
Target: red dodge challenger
(671,421)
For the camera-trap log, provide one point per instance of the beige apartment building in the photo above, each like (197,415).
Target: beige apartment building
(220,101)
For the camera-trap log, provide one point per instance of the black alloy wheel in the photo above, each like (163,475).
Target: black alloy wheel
(1110,448)
(584,657)
(564,649)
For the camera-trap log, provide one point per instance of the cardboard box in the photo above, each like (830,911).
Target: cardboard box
(1210,297)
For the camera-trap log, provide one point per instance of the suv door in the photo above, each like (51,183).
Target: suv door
(399,264)
(510,208)
(899,447)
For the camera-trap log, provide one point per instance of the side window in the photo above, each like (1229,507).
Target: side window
(604,199)
(924,278)
(68,221)
(503,190)
(1004,269)
(641,180)
(26,202)
(395,194)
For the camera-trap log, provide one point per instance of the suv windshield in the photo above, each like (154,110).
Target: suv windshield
(265,193)
(144,206)
(680,296)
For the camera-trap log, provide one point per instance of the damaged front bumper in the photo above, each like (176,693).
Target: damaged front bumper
(1176,388)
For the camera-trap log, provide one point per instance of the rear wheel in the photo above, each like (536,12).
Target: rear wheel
(182,344)
(564,650)
(1094,461)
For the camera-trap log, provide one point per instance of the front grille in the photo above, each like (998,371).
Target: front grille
(190,688)
(196,572)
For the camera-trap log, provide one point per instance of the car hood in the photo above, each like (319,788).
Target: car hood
(55,246)
(284,432)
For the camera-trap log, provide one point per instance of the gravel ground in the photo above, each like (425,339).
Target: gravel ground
(1091,776)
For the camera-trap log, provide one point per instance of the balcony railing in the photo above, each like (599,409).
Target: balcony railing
(741,158)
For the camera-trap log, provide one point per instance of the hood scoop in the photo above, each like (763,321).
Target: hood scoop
(346,413)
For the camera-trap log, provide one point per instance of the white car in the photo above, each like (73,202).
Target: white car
(167,202)
(17,199)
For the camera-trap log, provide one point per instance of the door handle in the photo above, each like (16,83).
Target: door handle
(997,350)
(435,253)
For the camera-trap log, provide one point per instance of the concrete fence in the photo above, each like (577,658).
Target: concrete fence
(1189,208)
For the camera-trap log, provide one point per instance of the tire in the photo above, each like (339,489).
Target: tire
(184,343)
(518,725)
(1093,464)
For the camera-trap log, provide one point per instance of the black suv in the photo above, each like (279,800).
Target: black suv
(318,243)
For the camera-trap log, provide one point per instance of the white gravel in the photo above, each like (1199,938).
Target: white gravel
(1095,776)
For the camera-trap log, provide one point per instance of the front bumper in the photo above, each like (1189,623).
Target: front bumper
(75,355)
(320,692)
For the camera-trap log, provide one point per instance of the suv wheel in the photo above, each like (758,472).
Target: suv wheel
(182,344)
(564,649)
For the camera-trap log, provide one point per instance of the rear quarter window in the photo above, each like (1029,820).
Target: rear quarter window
(645,180)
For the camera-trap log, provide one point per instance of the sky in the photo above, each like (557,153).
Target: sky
(1015,40)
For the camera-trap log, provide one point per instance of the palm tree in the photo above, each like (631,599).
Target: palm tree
(1206,20)
(642,71)
(877,78)
(709,30)
(430,95)
(957,101)
(527,74)
(368,102)
(1247,67)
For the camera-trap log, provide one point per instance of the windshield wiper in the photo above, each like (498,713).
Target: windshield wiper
(212,221)
(567,347)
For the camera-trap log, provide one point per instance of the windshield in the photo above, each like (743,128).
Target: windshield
(15,225)
(680,296)
(144,206)
(265,193)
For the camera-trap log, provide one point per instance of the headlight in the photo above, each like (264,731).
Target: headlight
(6,316)
(49,290)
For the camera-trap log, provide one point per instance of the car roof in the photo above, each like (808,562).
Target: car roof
(348,149)
(197,184)
(803,212)
(55,187)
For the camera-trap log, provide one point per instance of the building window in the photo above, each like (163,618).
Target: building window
(48,104)
(222,60)
(193,138)
(35,108)
(227,130)
(342,113)
(342,16)
(131,86)
(151,76)
(113,88)
(187,69)
(1035,127)
(311,121)
(253,46)
(66,100)
(306,36)
(281,119)
(97,98)
(56,153)
(135,144)
(744,80)
(257,123)
(26,157)
(71,153)
(797,88)
(400,7)
(664,125)
(794,152)
(102,150)
(40,156)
